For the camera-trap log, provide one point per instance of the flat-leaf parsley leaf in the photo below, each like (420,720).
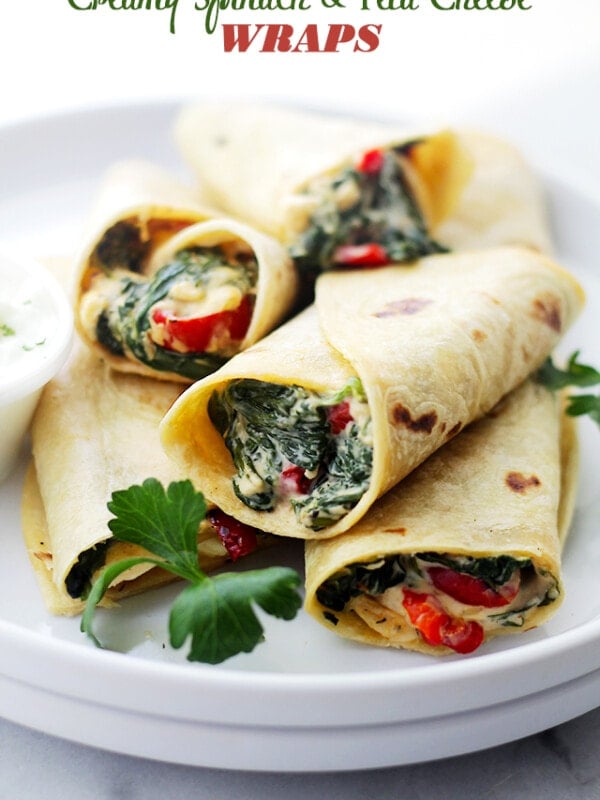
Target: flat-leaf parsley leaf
(578,375)
(216,613)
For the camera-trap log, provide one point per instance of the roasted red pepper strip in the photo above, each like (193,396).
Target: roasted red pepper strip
(439,628)
(371,162)
(339,416)
(370,254)
(194,334)
(238,539)
(295,480)
(472,591)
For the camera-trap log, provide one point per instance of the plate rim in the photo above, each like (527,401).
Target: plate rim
(462,675)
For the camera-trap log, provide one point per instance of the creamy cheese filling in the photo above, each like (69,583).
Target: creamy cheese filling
(534,589)
(186,317)
(369,213)
(386,613)
(297,448)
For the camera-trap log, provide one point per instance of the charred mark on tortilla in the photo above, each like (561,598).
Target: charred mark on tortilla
(453,431)
(401,531)
(547,310)
(406,306)
(423,424)
(478,336)
(519,483)
(122,246)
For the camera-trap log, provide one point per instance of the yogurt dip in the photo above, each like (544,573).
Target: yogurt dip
(35,336)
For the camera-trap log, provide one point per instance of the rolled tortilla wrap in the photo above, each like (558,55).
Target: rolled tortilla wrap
(160,294)
(324,184)
(95,431)
(467,547)
(300,434)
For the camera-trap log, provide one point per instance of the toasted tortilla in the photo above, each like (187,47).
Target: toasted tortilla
(504,487)
(436,345)
(95,431)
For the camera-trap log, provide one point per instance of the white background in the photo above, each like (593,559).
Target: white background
(429,62)
(532,75)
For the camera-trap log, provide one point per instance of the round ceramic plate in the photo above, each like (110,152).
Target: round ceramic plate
(303,700)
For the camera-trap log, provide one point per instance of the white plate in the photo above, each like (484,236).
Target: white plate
(303,700)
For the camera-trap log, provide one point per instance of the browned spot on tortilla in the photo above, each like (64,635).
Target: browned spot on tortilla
(547,309)
(423,424)
(43,556)
(526,354)
(453,431)
(478,336)
(394,530)
(519,483)
(406,306)
(498,408)
(491,298)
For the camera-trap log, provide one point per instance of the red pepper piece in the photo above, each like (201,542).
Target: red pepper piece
(194,334)
(339,416)
(437,627)
(472,591)
(370,254)
(238,539)
(294,479)
(371,162)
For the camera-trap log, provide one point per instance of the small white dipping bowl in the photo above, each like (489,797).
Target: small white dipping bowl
(36,330)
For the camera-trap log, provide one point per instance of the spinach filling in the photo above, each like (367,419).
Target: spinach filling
(122,246)
(382,209)
(376,577)
(124,325)
(79,580)
(270,428)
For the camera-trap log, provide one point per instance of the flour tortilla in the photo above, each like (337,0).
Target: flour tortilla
(474,190)
(170,216)
(436,345)
(462,502)
(95,431)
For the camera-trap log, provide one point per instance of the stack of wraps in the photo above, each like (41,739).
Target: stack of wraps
(95,431)
(392,424)
(433,347)
(448,539)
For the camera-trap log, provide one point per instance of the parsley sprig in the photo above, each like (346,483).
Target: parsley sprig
(578,375)
(215,613)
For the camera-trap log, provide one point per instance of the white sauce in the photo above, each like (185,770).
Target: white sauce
(27,322)
(35,336)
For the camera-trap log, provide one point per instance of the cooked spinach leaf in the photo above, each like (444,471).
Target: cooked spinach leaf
(79,580)
(376,577)
(267,427)
(384,211)
(357,579)
(346,474)
(125,324)
(494,571)
(121,246)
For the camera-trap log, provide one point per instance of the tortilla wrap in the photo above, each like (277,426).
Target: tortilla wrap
(95,431)
(434,345)
(141,212)
(503,488)
(259,162)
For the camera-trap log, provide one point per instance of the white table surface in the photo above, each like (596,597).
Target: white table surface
(534,78)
